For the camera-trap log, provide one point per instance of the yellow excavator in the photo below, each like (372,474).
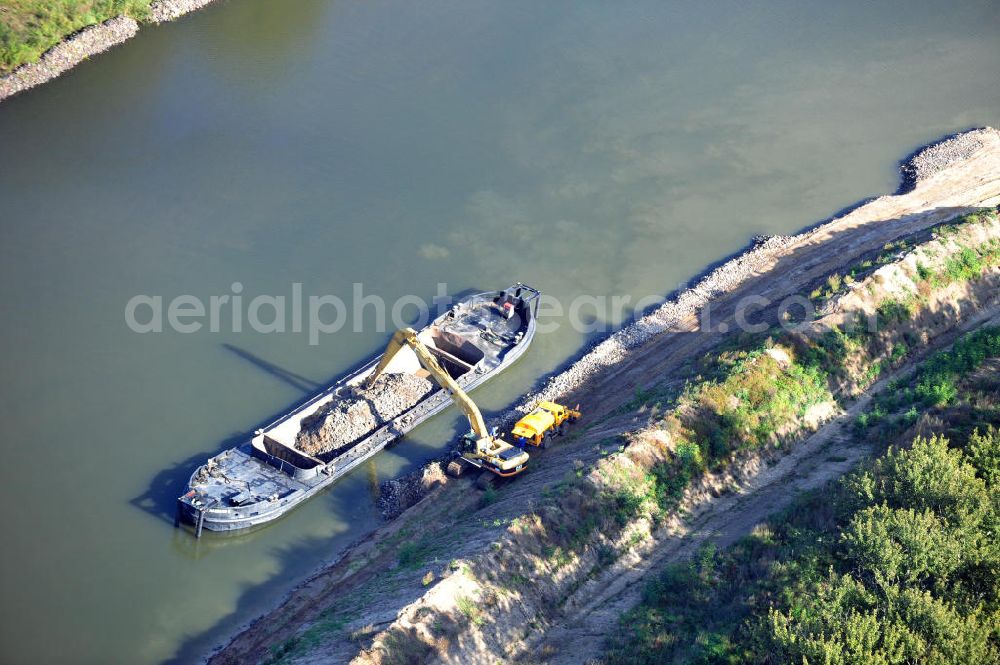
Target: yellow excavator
(479,448)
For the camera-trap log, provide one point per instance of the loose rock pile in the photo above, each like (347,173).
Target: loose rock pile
(168,10)
(398,494)
(344,421)
(65,55)
(939,156)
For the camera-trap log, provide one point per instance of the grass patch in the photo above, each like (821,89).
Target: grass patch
(31,27)
(470,609)
(414,554)
(328,624)
(967,262)
(935,382)
(488,497)
(893,310)
(758,398)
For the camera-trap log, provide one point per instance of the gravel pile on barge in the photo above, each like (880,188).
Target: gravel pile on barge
(344,421)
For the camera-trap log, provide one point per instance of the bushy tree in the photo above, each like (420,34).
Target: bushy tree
(918,568)
(930,476)
(887,547)
(984,453)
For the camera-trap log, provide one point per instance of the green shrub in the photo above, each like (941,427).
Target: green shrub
(892,311)
(924,273)
(963,266)
(937,391)
(488,497)
(899,352)
(412,555)
(627,505)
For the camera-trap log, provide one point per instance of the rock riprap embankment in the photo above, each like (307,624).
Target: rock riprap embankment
(68,54)
(935,158)
(90,41)
(343,421)
(168,10)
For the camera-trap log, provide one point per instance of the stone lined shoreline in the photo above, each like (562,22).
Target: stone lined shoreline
(396,495)
(88,42)
(935,157)
(921,165)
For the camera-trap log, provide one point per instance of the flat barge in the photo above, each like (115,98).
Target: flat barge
(265,477)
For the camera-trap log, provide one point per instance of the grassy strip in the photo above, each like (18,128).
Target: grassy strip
(889,341)
(755,397)
(967,263)
(964,263)
(836,283)
(897,564)
(934,383)
(30,27)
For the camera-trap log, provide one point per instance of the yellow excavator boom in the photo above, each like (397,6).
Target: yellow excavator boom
(491,452)
(408,337)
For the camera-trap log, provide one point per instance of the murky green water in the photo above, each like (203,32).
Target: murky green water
(586,147)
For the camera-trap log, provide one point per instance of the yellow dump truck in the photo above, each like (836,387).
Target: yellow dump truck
(544,422)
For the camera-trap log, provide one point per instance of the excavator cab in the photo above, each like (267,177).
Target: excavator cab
(468,443)
(490,453)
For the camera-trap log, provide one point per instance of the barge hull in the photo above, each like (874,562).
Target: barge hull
(248,486)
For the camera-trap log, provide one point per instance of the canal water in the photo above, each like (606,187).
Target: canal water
(588,148)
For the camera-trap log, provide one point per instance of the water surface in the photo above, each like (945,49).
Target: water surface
(585,147)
